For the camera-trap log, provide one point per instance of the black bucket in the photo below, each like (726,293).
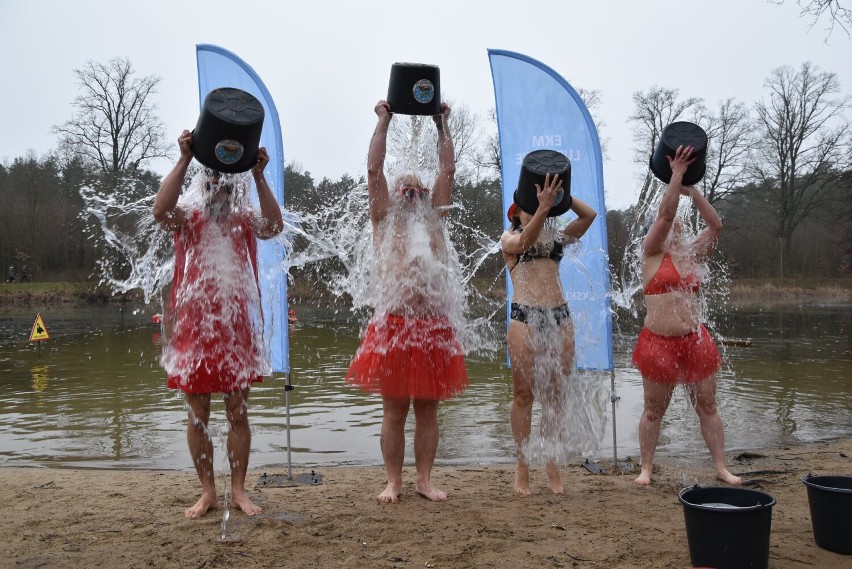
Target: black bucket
(684,134)
(534,169)
(227,135)
(830,500)
(414,89)
(727,527)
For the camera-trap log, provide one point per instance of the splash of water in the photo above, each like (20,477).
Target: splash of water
(226,499)
(713,272)
(136,253)
(213,317)
(334,248)
(570,406)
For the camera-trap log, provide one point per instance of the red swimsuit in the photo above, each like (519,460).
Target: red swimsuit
(672,359)
(667,279)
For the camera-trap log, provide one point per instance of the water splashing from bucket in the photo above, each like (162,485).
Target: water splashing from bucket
(713,272)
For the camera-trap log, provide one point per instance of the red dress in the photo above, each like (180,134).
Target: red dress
(215,326)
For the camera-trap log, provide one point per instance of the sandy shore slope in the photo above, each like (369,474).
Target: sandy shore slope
(121,518)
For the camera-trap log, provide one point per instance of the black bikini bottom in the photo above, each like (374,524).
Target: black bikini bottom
(540,316)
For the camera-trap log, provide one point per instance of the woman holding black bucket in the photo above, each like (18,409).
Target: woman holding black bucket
(541,333)
(674,346)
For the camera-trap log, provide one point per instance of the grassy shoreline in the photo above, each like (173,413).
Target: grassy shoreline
(790,291)
(743,292)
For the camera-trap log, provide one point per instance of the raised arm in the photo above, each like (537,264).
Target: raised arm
(585,216)
(377,184)
(442,193)
(705,242)
(661,227)
(515,243)
(271,222)
(165,209)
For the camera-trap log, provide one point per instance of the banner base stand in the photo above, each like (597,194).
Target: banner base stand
(286,481)
(610,467)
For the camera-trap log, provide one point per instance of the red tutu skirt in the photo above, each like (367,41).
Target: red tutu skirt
(214,374)
(676,359)
(404,358)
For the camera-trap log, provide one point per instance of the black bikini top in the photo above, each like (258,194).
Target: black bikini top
(554,251)
(540,251)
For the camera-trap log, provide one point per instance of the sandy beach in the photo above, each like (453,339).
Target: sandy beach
(53,517)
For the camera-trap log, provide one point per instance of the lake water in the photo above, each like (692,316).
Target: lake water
(95,396)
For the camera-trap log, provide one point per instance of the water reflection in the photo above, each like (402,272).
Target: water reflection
(94,395)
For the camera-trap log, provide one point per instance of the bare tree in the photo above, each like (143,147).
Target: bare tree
(804,143)
(655,110)
(729,140)
(488,158)
(817,9)
(115,126)
(592,99)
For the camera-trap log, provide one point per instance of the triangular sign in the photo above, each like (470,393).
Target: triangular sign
(39,332)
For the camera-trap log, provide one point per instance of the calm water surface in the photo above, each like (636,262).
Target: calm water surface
(95,396)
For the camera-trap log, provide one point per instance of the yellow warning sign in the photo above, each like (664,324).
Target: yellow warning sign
(39,332)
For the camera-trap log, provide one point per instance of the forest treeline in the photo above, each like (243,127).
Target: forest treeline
(779,170)
(46,233)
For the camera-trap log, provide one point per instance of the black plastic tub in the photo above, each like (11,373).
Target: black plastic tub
(830,500)
(727,527)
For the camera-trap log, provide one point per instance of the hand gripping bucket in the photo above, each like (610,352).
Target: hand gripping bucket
(684,134)
(727,527)
(830,500)
(534,169)
(227,135)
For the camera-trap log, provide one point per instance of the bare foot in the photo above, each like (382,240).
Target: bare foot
(644,477)
(554,478)
(202,506)
(242,501)
(428,491)
(522,480)
(725,476)
(390,495)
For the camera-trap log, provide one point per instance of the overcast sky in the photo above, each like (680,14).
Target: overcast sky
(326,63)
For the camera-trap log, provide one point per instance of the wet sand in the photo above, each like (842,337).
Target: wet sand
(62,517)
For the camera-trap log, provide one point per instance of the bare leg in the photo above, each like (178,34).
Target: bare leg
(551,411)
(554,478)
(521,419)
(522,401)
(425,448)
(703,396)
(201,451)
(239,446)
(393,446)
(657,397)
